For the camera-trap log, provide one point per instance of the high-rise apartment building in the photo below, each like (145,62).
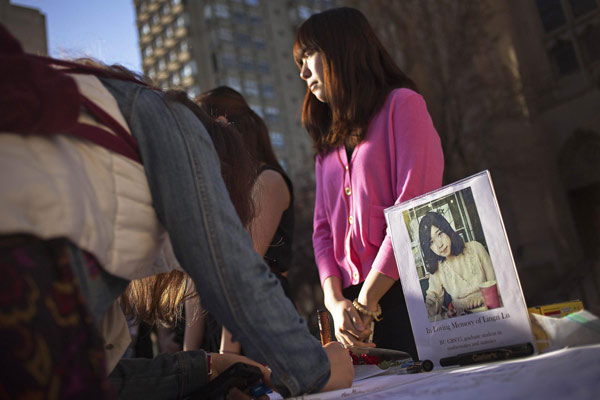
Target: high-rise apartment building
(245,44)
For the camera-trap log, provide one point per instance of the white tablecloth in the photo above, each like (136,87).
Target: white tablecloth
(572,374)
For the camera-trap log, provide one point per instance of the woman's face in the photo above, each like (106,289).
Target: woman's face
(440,242)
(311,71)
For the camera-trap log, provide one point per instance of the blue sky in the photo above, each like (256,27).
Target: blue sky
(102,29)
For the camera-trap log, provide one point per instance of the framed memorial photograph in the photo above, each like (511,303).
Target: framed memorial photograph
(457,271)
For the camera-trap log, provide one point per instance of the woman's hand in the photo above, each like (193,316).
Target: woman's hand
(348,324)
(433,306)
(470,301)
(475,300)
(350,327)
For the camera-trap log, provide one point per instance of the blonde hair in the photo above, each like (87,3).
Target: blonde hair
(157,298)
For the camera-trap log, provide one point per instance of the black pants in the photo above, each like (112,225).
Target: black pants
(394,330)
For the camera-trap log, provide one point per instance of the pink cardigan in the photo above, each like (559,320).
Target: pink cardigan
(400,158)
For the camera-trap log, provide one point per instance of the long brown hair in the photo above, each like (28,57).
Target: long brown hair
(229,103)
(358,72)
(159,298)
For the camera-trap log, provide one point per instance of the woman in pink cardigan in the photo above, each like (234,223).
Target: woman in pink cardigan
(376,147)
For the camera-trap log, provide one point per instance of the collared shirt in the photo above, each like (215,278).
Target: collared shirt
(400,158)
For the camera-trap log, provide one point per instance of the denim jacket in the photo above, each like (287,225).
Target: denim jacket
(212,246)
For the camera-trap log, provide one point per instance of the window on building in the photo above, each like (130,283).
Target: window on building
(148,51)
(193,92)
(552,14)
(189,69)
(246,63)
(563,55)
(181,21)
(263,67)
(252,2)
(277,140)
(243,39)
(238,16)
(165,9)
(304,12)
(228,59)
(572,42)
(257,109)
(258,42)
(145,29)
(162,65)
(325,4)
(221,11)
(155,20)
(234,83)
(151,73)
(284,165)
(271,114)
(582,7)
(158,42)
(254,19)
(590,43)
(268,91)
(175,79)
(183,46)
(142,8)
(251,87)
(175,2)
(172,56)
(208,12)
(225,34)
(169,32)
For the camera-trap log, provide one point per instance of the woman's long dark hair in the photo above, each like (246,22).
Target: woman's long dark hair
(358,72)
(457,246)
(229,103)
(159,298)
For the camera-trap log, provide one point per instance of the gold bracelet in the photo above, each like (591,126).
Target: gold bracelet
(375,314)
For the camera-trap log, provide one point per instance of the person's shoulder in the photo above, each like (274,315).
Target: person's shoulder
(404,94)
(402,100)
(273,182)
(474,247)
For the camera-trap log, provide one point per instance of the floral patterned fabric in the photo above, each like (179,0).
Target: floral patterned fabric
(49,344)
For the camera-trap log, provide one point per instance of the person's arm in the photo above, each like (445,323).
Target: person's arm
(347,323)
(434,297)
(194,324)
(342,370)
(228,346)
(212,246)
(418,168)
(486,262)
(170,376)
(271,197)
(476,299)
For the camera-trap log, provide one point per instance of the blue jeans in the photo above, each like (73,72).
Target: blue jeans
(210,243)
